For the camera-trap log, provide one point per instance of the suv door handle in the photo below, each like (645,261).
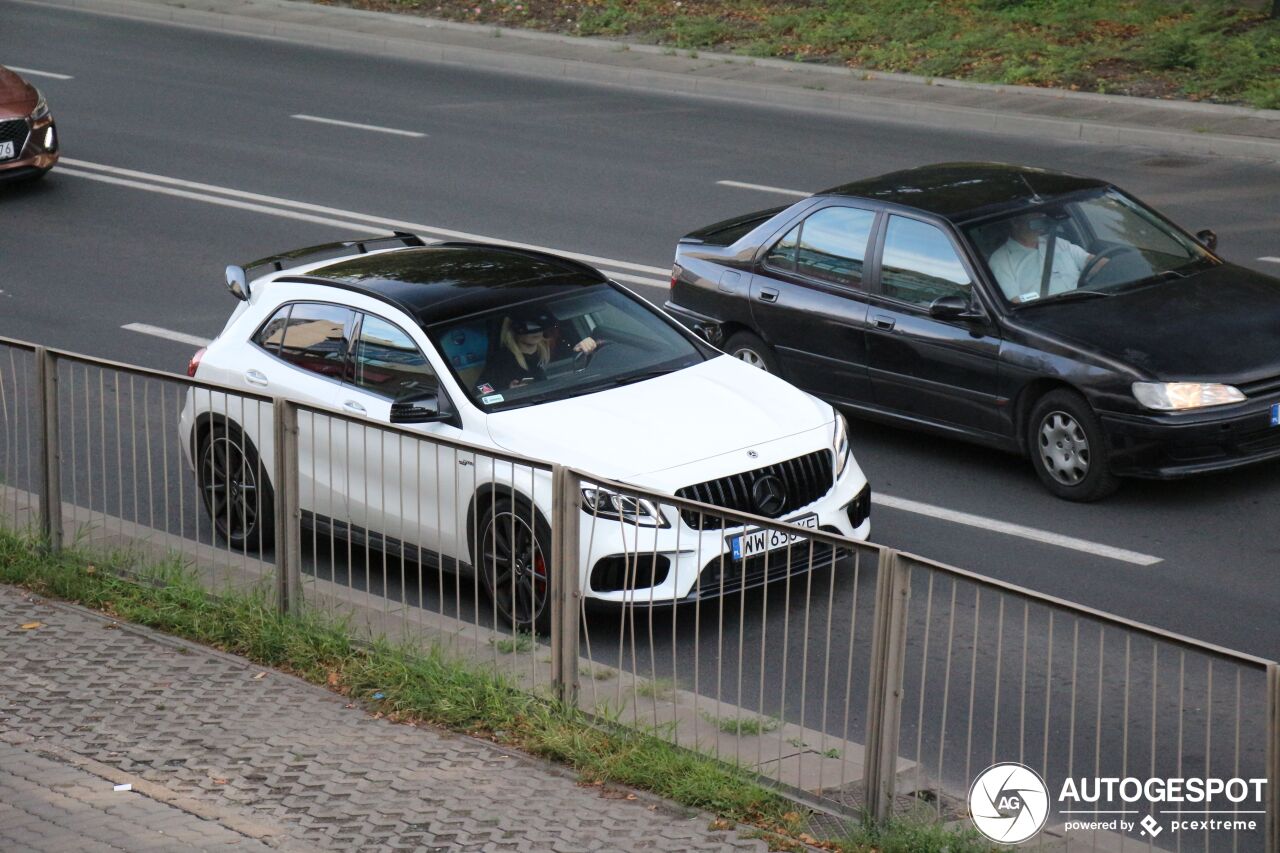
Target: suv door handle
(353,407)
(883,322)
(768,294)
(256,377)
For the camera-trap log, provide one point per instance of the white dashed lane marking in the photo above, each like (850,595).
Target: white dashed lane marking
(356,125)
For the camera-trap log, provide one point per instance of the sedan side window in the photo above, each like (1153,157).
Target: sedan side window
(389,363)
(919,264)
(833,245)
(783,253)
(315,338)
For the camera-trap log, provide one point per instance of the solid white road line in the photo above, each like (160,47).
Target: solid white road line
(167,334)
(1018,530)
(36,73)
(347,216)
(764,189)
(359,126)
(1270,260)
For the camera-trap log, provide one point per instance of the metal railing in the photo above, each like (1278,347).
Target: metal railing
(857,678)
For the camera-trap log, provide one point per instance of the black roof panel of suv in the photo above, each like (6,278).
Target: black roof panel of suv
(452,280)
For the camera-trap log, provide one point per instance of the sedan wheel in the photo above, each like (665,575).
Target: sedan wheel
(748,348)
(1068,449)
(514,566)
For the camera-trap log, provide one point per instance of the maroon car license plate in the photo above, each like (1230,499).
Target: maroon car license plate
(6,150)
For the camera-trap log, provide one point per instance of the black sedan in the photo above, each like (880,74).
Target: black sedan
(1045,314)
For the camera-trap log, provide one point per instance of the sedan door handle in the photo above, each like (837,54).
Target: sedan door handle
(353,407)
(256,377)
(768,294)
(883,322)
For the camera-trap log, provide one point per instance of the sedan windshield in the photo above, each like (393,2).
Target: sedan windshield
(561,346)
(1096,244)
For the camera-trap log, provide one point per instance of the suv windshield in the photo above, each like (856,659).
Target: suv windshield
(561,346)
(1098,243)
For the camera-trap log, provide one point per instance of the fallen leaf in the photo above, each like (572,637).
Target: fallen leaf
(29,626)
(90,570)
(333,678)
(260,676)
(218,781)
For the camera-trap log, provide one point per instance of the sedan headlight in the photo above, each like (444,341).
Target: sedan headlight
(1176,396)
(841,443)
(42,107)
(603,503)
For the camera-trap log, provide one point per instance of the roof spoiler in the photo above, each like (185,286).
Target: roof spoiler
(238,276)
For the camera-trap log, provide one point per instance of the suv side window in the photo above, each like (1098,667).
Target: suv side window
(833,245)
(315,338)
(389,363)
(919,264)
(271,335)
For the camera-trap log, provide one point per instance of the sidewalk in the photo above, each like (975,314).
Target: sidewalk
(222,755)
(1177,126)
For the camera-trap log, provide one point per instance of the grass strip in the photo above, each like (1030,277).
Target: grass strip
(426,686)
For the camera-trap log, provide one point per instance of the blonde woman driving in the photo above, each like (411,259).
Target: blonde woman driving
(524,350)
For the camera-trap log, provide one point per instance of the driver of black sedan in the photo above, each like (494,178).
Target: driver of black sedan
(1034,262)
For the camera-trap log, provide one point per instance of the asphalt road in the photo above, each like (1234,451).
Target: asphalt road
(599,171)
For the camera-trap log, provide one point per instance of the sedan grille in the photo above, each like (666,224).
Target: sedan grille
(1261,387)
(15,131)
(802,481)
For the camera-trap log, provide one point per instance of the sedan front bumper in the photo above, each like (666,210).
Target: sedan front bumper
(1181,444)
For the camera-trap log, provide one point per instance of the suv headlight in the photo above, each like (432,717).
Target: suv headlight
(841,444)
(604,503)
(1176,396)
(42,107)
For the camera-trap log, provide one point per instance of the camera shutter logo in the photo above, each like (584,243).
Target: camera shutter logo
(1009,803)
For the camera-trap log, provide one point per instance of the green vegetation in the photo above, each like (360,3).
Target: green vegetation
(416,686)
(743,726)
(1222,50)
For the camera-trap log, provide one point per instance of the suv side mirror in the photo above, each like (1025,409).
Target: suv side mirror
(237,283)
(418,412)
(1208,239)
(952,307)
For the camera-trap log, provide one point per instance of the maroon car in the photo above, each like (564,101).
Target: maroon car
(28,139)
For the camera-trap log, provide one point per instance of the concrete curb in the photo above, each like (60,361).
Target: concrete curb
(724,77)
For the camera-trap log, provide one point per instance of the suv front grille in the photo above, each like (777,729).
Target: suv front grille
(804,479)
(15,131)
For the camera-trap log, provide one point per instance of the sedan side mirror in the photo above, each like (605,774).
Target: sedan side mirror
(418,412)
(1208,239)
(952,307)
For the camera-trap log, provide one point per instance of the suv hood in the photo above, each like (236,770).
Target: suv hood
(693,414)
(1220,324)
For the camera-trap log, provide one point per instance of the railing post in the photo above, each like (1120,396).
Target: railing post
(566,496)
(1273,757)
(288,545)
(884,701)
(50,450)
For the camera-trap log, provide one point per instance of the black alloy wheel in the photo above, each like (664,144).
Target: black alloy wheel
(1068,449)
(235,489)
(514,564)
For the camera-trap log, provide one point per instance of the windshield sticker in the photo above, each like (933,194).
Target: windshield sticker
(484,388)
(491,399)
(1029,296)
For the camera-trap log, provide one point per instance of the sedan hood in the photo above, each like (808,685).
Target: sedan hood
(17,97)
(1220,325)
(693,414)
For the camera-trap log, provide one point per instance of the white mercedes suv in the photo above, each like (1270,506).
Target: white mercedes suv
(515,352)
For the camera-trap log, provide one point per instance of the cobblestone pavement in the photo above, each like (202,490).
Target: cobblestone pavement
(247,758)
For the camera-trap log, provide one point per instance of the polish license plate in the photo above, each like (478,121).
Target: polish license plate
(759,540)
(1275,414)
(7,151)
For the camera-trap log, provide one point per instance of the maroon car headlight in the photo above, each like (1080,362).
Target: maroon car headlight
(42,108)
(1179,396)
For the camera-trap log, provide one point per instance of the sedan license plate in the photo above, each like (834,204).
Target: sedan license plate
(1275,414)
(759,540)
(6,150)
